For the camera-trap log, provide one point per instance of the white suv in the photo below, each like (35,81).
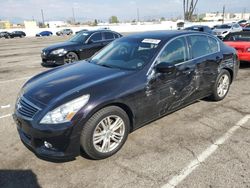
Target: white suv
(223,30)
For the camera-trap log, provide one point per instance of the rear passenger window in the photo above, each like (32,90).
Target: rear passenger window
(96,37)
(202,45)
(213,45)
(175,52)
(108,36)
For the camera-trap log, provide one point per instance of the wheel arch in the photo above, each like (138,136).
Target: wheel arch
(121,105)
(230,72)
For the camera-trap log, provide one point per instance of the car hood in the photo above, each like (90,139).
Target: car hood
(56,84)
(60,45)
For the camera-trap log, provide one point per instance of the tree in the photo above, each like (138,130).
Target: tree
(113,19)
(188,8)
(162,19)
(95,22)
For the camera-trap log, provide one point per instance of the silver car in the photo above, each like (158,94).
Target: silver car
(223,30)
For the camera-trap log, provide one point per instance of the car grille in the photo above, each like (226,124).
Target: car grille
(26,108)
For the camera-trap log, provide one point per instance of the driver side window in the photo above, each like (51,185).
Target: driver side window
(175,52)
(96,37)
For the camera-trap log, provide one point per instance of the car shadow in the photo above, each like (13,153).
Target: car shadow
(244,65)
(18,178)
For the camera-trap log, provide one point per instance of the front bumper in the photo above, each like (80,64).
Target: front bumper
(65,142)
(52,59)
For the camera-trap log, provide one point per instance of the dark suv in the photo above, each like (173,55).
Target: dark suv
(81,46)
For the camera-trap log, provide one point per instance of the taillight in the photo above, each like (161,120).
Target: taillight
(248,49)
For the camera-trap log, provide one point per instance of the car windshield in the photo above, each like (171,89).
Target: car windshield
(127,54)
(224,26)
(80,37)
(238,37)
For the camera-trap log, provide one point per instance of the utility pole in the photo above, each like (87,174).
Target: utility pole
(223,14)
(138,15)
(73,13)
(42,16)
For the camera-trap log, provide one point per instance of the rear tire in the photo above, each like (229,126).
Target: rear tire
(221,86)
(105,132)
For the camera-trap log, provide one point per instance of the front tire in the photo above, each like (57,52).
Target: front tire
(70,57)
(105,132)
(221,86)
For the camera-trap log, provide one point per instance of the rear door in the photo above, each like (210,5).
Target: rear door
(205,53)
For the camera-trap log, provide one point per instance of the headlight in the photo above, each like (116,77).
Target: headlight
(59,52)
(65,112)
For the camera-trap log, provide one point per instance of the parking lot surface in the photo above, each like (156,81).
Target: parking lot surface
(206,144)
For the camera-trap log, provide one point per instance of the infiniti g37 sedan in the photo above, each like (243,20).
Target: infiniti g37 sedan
(93,105)
(81,46)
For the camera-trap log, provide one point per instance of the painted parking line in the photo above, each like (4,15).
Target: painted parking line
(17,79)
(5,116)
(5,106)
(204,155)
(15,65)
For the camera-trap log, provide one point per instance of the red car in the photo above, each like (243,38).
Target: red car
(241,42)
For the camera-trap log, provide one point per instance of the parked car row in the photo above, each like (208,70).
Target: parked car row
(13,34)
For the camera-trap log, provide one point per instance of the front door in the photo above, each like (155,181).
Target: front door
(94,44)
(172,90)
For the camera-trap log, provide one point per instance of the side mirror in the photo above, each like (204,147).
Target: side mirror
(165,67)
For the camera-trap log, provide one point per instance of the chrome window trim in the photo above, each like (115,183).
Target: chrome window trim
(185,35)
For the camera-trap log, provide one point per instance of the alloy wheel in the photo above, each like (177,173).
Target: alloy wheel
(108,134)
(223,85)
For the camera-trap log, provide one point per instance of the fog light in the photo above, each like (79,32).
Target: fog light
(47,145)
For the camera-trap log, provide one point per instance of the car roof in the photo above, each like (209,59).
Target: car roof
(198,26)
(99,30)
(163,35)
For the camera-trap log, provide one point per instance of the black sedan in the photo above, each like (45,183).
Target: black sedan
(81,46)
(95,104)
(13,34)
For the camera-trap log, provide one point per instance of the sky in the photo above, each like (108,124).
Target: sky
(19,10)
